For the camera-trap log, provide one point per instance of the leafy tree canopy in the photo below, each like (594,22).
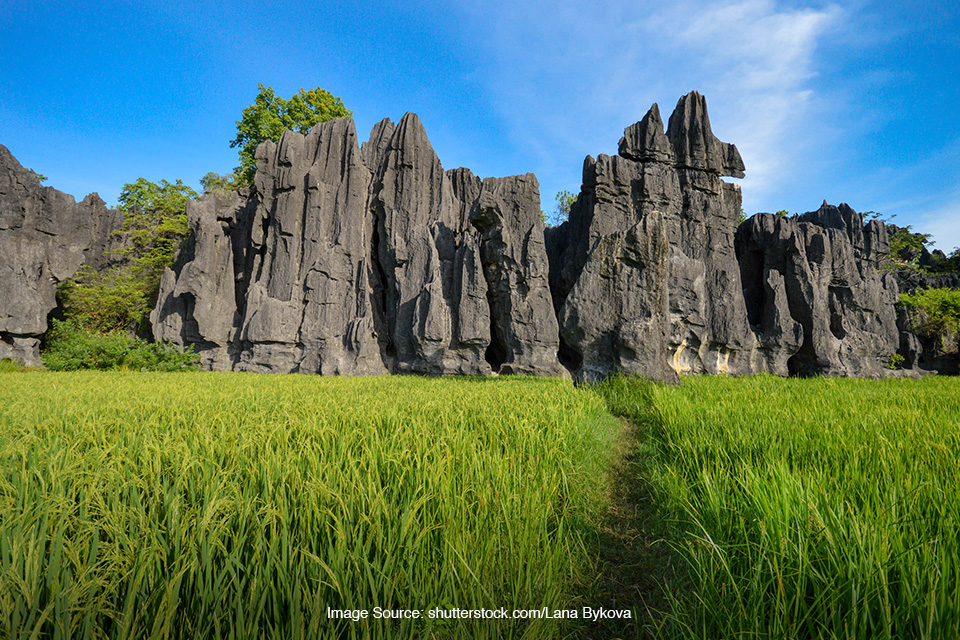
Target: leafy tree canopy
(154,226)
(216,182)
(934,310)
(270,115)
(561,212)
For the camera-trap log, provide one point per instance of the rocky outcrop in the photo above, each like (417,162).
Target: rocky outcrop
(356,261)
(816,297)
(361,260)
(683,280)
(910,281)
(524,336)
(200,303)
(45,237)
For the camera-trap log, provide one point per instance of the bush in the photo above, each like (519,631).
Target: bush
(933,310)
(70,347)
(895,361)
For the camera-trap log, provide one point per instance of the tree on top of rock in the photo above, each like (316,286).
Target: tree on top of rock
(270,115)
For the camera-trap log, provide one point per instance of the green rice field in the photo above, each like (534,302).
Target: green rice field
(210,505)
(820,508)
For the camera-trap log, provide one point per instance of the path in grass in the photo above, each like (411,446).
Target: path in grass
(797,508)
(633,561)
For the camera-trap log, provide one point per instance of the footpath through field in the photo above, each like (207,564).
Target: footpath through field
(764,507)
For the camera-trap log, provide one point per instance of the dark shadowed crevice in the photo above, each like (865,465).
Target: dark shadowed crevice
(265,228)
(795,365)
(243,258)
(496,353)
(751,262)
(388,350)
(569,357)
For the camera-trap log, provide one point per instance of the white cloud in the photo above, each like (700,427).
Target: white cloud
(944,224)
(758,61)
(568,79)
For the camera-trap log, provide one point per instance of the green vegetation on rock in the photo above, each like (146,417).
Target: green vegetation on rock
(933,310)
(270,115)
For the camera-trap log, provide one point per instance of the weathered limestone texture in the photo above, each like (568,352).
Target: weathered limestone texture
(815,294)
(350,260)
(523,325)
(45,237)
(683,282)
(353,261)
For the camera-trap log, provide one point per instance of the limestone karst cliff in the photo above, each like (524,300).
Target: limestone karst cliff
(369,259)
(45,237)
(344,260)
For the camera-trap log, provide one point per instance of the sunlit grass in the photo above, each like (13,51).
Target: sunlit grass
(229,505)
(819,508)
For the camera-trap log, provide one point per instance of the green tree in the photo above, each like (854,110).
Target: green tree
(155,224)
(154,227)
(215,182)
(561,213)
(270,115)
(906,246)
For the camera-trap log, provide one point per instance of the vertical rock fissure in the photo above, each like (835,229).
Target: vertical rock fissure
(496,352)
(388,350)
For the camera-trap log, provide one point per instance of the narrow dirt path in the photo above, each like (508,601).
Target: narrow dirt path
(633,560)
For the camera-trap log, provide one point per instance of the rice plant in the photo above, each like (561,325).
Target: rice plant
(819,508)
(205,505)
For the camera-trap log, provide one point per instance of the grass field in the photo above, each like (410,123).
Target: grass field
(238,505)
(228,505)
(818,508)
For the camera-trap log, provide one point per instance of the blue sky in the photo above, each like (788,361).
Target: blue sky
(855,102)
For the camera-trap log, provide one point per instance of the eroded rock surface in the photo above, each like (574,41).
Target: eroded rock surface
(45,237)
(669,183)
(817,298)
(356,261)
(353,260)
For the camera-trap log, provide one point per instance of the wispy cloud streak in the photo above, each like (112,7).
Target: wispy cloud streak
(572,78)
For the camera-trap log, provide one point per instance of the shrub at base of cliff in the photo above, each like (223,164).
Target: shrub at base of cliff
(70,346)
(935,316)
(103,302)
(8,365)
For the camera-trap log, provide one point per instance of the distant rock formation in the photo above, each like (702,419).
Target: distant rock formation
(356,261)
(345,259)
(814,293)
(644,274)
(45,237)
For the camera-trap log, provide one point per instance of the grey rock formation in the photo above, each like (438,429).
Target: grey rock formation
(420,228)
(616,317)
(353,260)
(356,261)
(201,298)
(815,295)
(524,337)
(673,178)
(911,281)
(45,237)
